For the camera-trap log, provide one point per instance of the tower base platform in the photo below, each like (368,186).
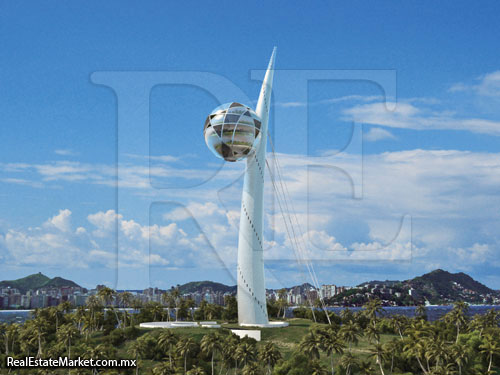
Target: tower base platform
(267,325)
(179,325)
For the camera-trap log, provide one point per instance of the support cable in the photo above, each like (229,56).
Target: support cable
(292,243)
(300,245)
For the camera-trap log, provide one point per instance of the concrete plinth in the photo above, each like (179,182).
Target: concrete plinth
(267,325)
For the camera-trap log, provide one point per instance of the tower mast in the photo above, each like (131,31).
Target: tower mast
(252,308)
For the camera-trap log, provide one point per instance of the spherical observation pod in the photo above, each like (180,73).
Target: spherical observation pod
(232,131)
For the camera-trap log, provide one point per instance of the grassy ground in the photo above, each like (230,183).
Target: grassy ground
(286,339)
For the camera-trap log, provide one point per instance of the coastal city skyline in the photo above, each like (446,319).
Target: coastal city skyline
(415,188)
(68,291)
(52,292)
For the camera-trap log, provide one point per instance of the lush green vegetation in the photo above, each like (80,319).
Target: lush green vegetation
(364,342)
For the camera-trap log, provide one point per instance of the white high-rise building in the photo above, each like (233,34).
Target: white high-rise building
(328,291)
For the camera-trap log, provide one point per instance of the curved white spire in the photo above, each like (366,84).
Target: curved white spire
(252,309)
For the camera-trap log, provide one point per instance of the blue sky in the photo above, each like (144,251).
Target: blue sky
(426,172)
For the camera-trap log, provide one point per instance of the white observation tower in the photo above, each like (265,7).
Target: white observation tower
(234,131)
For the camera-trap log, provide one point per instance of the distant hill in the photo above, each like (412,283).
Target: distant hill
(198,286)
(36,281)
(439,283)
(58,282)
(24,284)
(437,287)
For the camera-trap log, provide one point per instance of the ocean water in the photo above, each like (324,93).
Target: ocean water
(14,316)
(433,312)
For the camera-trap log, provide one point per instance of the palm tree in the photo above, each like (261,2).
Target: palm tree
(66,333)
(421,312)
(78,371)
(348,361)
(251,368)
(44,371)
(350,332)
(372,308)
(114,311)
(13,333)
(490,347)
(78,317)
(417,349)
(269,354)
(460,353)
(126,318)
(210,311)
(281,301)
(54,314)
(311,345)
(245,353)
(110,372)
(372,333)
(483,322)
(136,304)
(365,368)
(196,371)
(164,369)
(437,350)
(57,312)
(229,346)
(210,344)
(106,295)
(418,329)
(28,339)
(393,347)
(492,318)
(457,316)
(156,309)
(189,304)
(94,306)
(167,340)
(447,369)
(40,327)
(332,343)
(4,332)
(176,299)
(346,315)
(56,350)
(398,324)
(378,352)
(126,299)
(165,300)
(317,368)
(87,326)
(65,307)
(184,347)
(97,352)
(136,350)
